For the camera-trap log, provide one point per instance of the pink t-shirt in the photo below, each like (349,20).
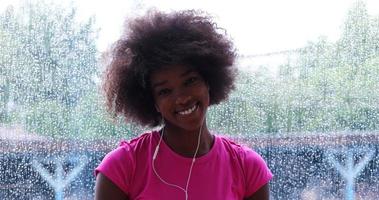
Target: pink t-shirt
(228,171)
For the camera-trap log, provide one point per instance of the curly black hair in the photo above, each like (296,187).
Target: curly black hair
(157,40)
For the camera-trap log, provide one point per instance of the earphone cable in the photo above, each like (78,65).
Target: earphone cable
(190,171)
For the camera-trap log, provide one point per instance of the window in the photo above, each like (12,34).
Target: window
(307,96)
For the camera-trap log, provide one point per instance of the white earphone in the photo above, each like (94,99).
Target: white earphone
(156,107)
(185,190)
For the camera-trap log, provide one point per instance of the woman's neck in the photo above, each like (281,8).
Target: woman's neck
(184,142)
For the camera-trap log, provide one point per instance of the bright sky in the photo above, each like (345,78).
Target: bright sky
(257,26)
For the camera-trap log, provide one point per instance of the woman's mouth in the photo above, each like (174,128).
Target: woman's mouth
(189,110)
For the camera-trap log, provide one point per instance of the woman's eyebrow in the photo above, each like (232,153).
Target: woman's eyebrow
(187,72)
(158,84)
(154,85)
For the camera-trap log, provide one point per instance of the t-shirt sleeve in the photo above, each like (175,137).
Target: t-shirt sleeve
(256,170)
(118,166)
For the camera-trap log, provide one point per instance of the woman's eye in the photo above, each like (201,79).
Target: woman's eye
(163,92)
(191,80)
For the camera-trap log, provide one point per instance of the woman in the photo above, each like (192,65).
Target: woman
(166,71)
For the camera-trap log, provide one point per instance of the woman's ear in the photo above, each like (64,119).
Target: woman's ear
(207,85)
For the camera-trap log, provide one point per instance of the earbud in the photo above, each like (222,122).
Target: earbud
(156,107)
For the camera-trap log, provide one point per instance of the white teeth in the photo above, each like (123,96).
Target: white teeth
(188,111)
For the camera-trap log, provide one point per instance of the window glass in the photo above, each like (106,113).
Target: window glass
(306,97)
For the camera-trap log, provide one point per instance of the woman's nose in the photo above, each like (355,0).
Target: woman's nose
(182,99)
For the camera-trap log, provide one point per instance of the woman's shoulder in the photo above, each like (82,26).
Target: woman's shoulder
(242,151)
(125,154)
(255,170)
(230,144)
(119,165)
(141,142)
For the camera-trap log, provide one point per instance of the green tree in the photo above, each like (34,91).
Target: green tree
(92,120)
(8,51)
(48,69)
(355,43)
(323,87)
(48,62)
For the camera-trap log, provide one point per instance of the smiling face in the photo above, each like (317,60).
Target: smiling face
(181,96)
